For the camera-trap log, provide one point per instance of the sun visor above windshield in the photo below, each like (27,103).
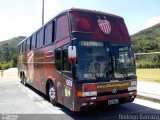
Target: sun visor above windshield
(98,26)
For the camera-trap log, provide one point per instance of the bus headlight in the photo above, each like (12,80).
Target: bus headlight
(91,93)
(132,88)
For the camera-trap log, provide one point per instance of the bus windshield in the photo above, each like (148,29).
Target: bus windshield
(123,61)
(98,61)
(93,59)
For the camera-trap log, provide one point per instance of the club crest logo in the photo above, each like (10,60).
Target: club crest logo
(104,26)
(114,90)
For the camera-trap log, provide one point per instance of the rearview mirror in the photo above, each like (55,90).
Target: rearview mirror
(72,54)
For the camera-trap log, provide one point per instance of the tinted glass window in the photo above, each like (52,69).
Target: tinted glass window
(41,38)
(24,46)
(38,39)
(33,42)
(28,44)
(124,61)
(62,27)
(93,60)
(58,58)
(66,65)
(49,34)
(19,49)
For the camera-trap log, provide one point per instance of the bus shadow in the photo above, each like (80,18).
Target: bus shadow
(120,112)
(117,112)
(37,92)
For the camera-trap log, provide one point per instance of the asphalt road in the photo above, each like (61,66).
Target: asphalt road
(18,102)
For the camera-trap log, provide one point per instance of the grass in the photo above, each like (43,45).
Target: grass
(148,74)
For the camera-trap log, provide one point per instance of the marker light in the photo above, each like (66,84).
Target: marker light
(132,88)
(85,94)
(79,94)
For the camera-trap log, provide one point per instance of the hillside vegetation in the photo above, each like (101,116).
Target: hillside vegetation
(8,52)
(147,41)
(13,42)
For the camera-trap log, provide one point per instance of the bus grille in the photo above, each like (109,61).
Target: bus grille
(110,93)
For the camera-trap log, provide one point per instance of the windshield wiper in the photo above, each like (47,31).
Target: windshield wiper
(125,75)
(108,71)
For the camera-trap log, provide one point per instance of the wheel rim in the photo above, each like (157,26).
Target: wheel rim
(52,93)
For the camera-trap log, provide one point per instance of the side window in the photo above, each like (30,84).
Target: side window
(49,33)
(25,49)
(58,58)
(38,39)
(28,44)
(41,38)
(19,49)
(62,27)
(24,46)
(33,42)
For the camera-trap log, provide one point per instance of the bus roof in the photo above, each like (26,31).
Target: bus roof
(73,9)
(93,11)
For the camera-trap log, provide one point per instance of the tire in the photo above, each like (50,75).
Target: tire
(52,94)
(23,80)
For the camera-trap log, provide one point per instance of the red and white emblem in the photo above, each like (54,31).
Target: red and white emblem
(30,57)
(104,26)
(30,65)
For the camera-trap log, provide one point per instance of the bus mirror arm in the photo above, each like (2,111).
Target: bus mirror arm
(72,56)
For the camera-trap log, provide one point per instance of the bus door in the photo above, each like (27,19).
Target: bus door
(58,65)
(67,78)
(64,85)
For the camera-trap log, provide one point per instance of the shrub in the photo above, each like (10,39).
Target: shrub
(6,65)
(148,61)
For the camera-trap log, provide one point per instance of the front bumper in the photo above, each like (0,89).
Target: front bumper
(92,102)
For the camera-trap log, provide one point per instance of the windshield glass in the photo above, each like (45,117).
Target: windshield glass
(93,60)
(101,61)
(123,60)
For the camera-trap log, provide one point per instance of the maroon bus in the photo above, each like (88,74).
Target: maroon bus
(80,59)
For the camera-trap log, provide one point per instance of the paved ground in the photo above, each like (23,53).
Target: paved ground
(16,98)
(149,90)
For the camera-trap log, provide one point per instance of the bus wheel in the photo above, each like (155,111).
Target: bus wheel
(52,94)
(23,80)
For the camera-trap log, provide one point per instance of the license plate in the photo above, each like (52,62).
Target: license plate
(112,102)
